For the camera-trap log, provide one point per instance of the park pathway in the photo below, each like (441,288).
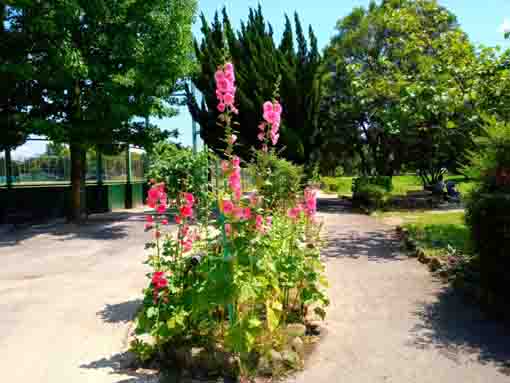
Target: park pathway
(390,321)
(67,297)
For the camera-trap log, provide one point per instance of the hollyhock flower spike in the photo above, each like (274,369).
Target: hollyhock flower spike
(161,209)
(228,206)
(189,198)
(186,211)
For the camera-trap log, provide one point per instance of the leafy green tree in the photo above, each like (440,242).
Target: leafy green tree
(101,64)
(403,89)
(259,64)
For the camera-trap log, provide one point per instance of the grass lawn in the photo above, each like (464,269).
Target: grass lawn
(434,231)
(401,184)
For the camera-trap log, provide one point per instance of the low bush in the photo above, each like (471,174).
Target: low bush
(182,171)
(488,213)
(488,218)
(384,182)
(330,184)
(370,196)
(279,181)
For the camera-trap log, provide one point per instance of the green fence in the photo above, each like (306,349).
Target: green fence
(39,184)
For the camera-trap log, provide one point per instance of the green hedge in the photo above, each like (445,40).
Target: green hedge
(370,196)
(488,218)
(385,182)
(330,184)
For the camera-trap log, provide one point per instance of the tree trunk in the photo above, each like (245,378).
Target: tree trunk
(78,169)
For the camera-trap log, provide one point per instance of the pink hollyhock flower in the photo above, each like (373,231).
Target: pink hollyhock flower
(292,213)
(277,108)
(221,107)
(219,75)
(232,139)
(224,85)
(236,162)
(190,200)
(228,229)
(247,213)
(237,194)
(159,280)
(262,126)
(274,138)
(184,230)
(269,221)
(228,98)
(187,245)
(229,67)
(259,223)
(149,218)
(219,95)
(178,220)
(234,110)
(147,226)
(161,208)
(234,181)
(186,211)
(310,201)
(267,107)
(228,206)
(164,221)
(261,136)
(238,212)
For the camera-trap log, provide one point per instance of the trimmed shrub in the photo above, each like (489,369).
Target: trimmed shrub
(488,218)
(283,181)
(384,182)
(330,184)
(370,196)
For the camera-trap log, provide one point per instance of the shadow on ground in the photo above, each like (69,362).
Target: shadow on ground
(372,240)
(122,364)
(461,331)
(108,226)
(120,312)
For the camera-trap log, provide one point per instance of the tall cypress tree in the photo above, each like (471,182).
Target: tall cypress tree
(260,62)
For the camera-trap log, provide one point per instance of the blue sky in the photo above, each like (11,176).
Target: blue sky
(482,21)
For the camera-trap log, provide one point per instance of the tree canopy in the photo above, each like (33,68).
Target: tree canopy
(95,66)
(403,90)
(260,65)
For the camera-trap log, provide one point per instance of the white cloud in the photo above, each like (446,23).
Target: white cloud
(505,27)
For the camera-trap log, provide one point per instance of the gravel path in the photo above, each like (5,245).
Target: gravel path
(391,321)
(67,296)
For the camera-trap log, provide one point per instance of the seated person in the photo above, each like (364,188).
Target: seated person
(439,187)
(451,190)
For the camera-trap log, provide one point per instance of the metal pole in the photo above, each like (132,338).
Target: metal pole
(193,122)
(8,168)
(99,167)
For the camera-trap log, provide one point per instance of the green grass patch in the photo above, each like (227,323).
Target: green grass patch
(434,231)
(401,184)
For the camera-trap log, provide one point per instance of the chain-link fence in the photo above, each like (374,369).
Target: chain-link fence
(42,162)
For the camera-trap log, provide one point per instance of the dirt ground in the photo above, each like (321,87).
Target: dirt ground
(68,294)
(391,321)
